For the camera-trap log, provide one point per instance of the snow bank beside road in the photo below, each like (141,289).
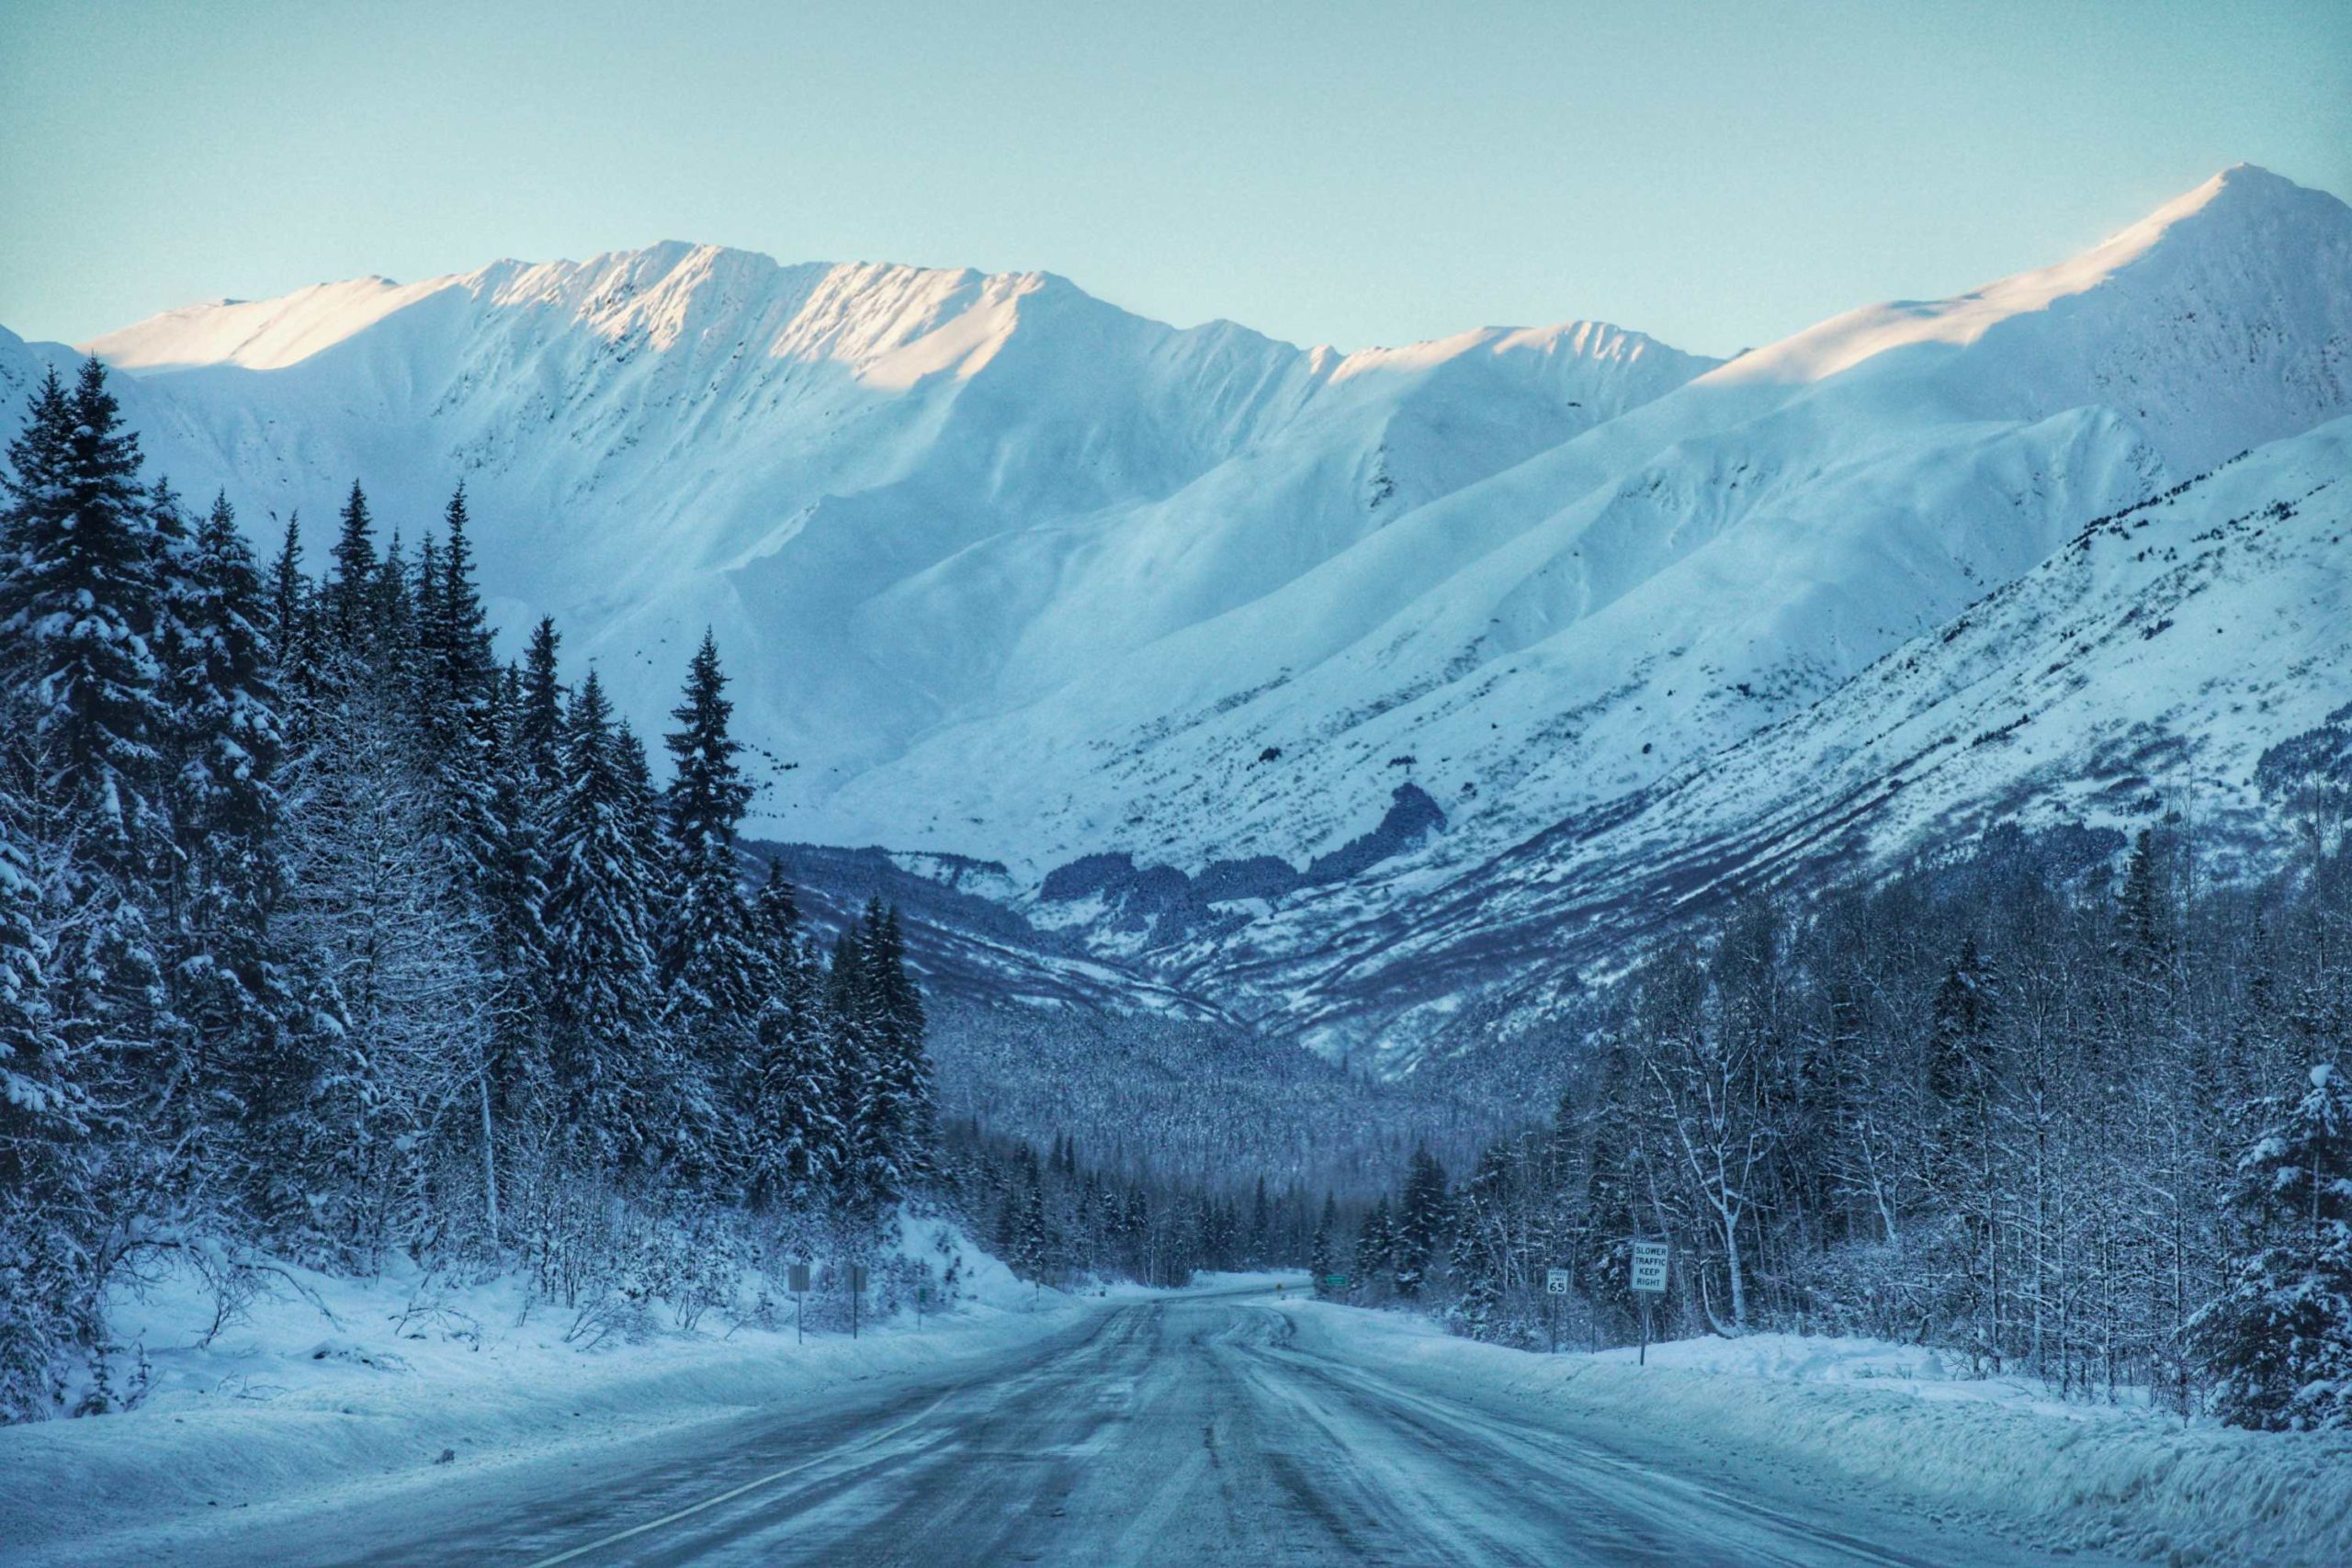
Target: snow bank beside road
(288,1403)
(1889,1418)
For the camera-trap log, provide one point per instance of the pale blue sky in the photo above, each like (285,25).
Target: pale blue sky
(1715,173)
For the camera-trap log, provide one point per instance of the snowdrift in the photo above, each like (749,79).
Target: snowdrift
(1895,1421)
(286,1405)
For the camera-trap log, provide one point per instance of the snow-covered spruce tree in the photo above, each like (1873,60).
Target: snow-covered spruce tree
(880,1064)
(456,671)
(1488,1256)
(902,1067)
(539,737)
(388,646)
(468,724)
(512,893)
(1260,1244)
(794,1136)
(2278,1340)
(81,602)
(223,692)
(346,603)
(1375,1255)
(83,595)
(52,1208)
(1022,1228)
(712,963)
(709,952)
(613,1071)
(1323,1252)
(228,985)
(1421,1219)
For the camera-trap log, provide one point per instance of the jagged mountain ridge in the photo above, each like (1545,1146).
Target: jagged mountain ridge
(901,496)
(1663,585)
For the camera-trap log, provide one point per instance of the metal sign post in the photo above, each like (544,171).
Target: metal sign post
(1648,1281)
(796,1277)
(857,1293)
(1555,1285)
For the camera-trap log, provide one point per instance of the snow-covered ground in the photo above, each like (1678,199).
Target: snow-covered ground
(335,1385)
(1898,1422)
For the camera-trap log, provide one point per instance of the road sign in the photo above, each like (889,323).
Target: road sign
(1649,1268)
(1335,1281)
(857,1293)
(1555,1281)
(797,1278)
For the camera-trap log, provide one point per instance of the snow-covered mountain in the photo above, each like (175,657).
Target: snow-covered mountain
(903,498)
(1580,625)
(2143,669)
(1385,672)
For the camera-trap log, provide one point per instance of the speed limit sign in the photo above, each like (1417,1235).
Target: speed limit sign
(1555,1281)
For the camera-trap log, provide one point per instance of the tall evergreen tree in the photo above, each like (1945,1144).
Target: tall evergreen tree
(81,605)
(227,746)
(711,957)
(387,645)
(608,1063)
(453,636)
(1421,1222)
(793,1135)
(289,591)
(225,705)
(1260,1246)
(83,615)
(1323,1253)
(1375,1247)
(2280,1338)
(345,603)
(52,1208)
(894,1124)
(539,744)
(295,643)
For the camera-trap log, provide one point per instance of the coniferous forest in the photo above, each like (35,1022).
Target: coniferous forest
(326,937)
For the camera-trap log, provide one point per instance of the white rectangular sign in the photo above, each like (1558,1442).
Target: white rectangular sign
(1555,1281)
(1649,1268)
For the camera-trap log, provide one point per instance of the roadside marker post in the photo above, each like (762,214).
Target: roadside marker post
(856,1294)
(797,1280)
(1648,1281)
(1555,1285)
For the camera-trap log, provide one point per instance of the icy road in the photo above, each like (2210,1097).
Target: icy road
(1202,1429)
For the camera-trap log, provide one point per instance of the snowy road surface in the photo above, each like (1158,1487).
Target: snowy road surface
(1203,1429)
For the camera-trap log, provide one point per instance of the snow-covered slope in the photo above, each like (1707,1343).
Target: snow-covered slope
(2143,668)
